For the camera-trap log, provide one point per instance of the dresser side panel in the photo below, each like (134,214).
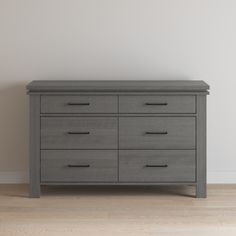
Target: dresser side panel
(34,146)
(201,147)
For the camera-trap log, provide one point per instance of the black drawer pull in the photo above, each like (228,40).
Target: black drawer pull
(156,104)
(164,132)
(78,166)
(70,132)
(157,166)
(78,104)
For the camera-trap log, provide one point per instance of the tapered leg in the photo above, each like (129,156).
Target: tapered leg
(201,190)
(34,146)
(34,189)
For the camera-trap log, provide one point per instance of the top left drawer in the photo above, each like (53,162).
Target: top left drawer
(78,104)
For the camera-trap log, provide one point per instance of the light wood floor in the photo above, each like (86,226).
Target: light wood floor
(133,211)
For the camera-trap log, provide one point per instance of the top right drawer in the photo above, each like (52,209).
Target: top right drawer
(157,104)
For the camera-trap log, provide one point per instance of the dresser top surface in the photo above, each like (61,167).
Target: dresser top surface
(117,85)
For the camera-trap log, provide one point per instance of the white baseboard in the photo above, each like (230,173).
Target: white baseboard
(18,177)
(14,177)
(221,177)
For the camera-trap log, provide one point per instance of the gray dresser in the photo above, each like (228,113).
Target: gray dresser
(118,133)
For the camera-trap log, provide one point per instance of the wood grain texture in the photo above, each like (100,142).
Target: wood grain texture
(102,166)
(34,146)
(85,104)
(132,133)
(117,85)
(157,104)
(172,165)
(102,132)
(117,211)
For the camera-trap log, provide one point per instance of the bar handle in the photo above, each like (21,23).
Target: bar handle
(78,104)
(78,166)
(156,103)
(72,132)
(163,166)
(161,132)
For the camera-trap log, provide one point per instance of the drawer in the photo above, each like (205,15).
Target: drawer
(157,166)
(157,132)
(78,132)
(78,165)
(79,104)
(157,104)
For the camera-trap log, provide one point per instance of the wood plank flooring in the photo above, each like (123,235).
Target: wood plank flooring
(132,211)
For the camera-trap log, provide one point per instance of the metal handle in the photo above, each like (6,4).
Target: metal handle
(164,132)
(156,104)
(71,132)
(78,104)
(157,165)
(78,165)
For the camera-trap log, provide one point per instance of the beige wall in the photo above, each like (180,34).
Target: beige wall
(117,39)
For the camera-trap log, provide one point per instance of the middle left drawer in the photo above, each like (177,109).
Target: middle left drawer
(79,132)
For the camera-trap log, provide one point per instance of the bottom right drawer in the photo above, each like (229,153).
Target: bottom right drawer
(157,166)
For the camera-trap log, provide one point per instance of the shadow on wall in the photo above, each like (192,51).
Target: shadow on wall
(14,127)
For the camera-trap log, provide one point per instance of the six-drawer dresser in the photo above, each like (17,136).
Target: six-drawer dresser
(118,133)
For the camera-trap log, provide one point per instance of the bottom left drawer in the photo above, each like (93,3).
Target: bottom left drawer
(78,166)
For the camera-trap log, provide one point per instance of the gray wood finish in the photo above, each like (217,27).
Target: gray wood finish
(201,189)
(157,104)
(120,183)
(102,132)
(85,166)
(157,166)
(79,104)
(112,145)
(34,146)
(117,85)
(118,115)
(180,133)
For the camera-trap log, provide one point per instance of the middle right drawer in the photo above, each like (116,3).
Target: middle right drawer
(157,132)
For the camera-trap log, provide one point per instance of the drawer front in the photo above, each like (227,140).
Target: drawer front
(78,165)
(79,104)
(157,104)
(157,166)
(78,132)
(157,132)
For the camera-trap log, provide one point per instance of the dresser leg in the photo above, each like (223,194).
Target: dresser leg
(34,190)
(201,191)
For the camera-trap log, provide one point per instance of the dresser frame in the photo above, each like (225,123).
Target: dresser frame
(199,89)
